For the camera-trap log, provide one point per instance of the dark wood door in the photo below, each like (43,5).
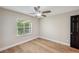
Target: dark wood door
(74,31)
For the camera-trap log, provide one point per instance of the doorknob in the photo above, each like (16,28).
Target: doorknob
(70,33)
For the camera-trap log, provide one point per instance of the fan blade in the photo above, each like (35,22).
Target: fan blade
(35,8)
(44,15)
(32,13)
(38,7)
(46,11)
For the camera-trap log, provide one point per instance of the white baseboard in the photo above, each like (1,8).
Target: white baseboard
(4,48)
(55,41)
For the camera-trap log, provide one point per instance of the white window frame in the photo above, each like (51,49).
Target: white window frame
(24,29)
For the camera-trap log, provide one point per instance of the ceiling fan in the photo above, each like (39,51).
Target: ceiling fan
(39,13)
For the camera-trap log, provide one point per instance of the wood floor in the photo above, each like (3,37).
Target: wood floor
(41,46)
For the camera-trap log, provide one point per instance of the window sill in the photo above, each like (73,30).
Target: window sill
(24,35)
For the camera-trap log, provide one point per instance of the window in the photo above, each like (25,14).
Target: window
(23,27)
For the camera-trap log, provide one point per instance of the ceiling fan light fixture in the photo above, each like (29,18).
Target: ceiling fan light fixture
(38,14)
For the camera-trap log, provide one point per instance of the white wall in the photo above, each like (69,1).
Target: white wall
(57,27)
(0,32)
(8,28)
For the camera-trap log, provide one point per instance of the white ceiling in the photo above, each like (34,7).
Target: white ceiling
(29,9)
